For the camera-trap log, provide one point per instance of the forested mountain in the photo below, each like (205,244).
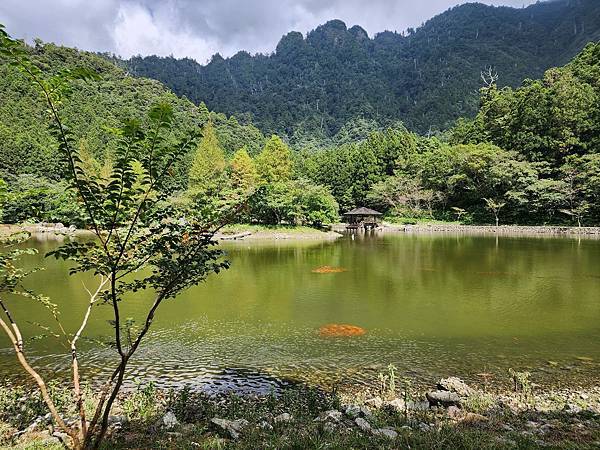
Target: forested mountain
(426,78)
(28,148)
(530,156)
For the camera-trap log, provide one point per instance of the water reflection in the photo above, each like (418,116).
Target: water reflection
(433,305)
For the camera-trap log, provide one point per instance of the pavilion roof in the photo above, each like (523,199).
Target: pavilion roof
(362,211)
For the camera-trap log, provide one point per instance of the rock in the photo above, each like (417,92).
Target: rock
(354,411)
(443,398)
(330,416)
(119,420)
(456,385)
(397,404)
(282,418)
(362,424)
(454,412)
(169,420)
(417,406)
(572,408)
(62,437)
(386,432)
(329,427)
(375,402)
(174,434)
(265,425)
(232,427)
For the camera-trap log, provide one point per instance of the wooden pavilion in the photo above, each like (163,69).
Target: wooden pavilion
(362,218)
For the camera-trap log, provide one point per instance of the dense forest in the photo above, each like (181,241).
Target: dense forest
(310,87)
(530,155)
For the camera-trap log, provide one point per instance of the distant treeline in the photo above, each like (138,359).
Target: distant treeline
(428,77)
(531,155)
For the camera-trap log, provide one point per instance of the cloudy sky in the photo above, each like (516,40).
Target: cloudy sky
(200,28)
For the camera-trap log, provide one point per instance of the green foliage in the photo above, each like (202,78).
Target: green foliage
(274,163)
(243,173)
(142,242)
(3,191)
(310,87)
(142,404)
(27,145)
(31,198)
(298,202)
(208,165)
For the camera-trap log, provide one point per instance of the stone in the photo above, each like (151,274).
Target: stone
(282,418)
(62,437)
(265,425)
(169,420)
(354,411)
(454,412)
(572,408)
(456,385)
(119,420)
(330,416)
(232,427)
(329,427)
(386,432)
(397,404)
(417,406)
(362,424)
(424,426)
(443,398)
(375,402)
(174,434)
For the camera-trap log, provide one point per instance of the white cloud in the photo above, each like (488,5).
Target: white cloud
(200,28)
(139,30)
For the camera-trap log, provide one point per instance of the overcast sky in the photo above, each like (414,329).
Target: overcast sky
(200,28)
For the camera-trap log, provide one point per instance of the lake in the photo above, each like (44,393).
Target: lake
(432,305)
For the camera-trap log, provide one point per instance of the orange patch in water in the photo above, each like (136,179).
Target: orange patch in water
(329,269)
(340,330)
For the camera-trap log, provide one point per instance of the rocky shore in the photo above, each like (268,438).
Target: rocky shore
(502,230)
(450,415)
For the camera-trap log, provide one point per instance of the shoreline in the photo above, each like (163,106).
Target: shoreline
(257,233)
(393,415)
(239,233)
(502,230)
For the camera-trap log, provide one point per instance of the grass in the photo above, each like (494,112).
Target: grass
(420,221)
(254,228)
(501,428)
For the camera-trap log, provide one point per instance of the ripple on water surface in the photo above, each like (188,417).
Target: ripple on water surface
(432,306)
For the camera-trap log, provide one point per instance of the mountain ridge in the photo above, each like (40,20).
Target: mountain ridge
(426,77)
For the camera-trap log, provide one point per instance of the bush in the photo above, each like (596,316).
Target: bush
(297,202)
(31,198)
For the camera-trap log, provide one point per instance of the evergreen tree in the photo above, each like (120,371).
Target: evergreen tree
(208,166)
(274,163)
(243,172)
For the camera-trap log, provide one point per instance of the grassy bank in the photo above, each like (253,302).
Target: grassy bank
(389,416)
(229,232)
(275,232)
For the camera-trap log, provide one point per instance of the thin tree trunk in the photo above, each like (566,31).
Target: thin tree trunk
(17,340)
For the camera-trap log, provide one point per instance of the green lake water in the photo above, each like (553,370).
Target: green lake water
(432,305)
